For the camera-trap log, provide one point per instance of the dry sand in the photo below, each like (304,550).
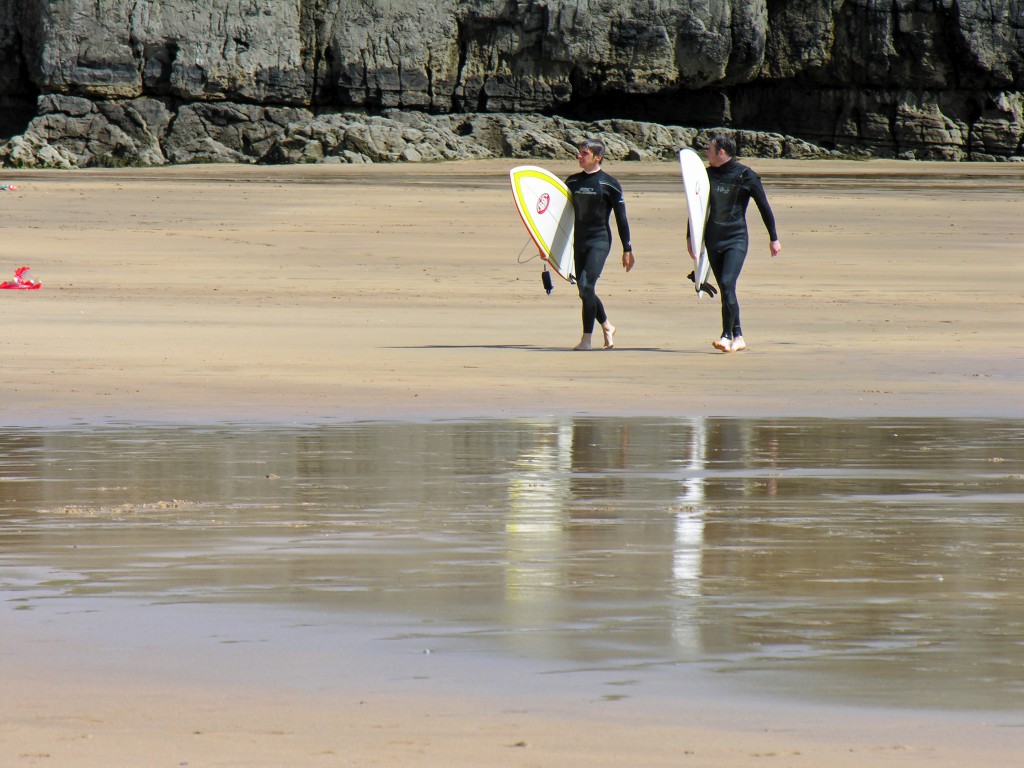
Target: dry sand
(204,294)
(212,293)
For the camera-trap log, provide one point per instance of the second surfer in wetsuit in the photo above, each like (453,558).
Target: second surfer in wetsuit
(732,187)
(595,195)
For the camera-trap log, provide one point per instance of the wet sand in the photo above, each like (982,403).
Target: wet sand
(211,294)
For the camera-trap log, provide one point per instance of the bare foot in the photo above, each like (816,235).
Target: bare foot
(723,344)
(738,344)
(584,345)
(609,336)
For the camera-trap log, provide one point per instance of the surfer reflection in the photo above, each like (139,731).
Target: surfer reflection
(536,536)
(725,461)
(567,480)
(595,195)
(621,510)
(599,453)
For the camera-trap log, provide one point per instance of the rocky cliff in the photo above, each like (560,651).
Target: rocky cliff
(94,82)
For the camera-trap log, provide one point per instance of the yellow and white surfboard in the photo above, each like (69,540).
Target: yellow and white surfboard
(545,206)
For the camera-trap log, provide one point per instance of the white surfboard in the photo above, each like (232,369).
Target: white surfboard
(697,188)
(545,206)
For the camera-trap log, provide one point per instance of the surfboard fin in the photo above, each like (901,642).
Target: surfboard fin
(545,278)
(707,287)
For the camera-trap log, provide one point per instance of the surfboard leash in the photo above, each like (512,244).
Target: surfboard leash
(707,287)
(526,245)
(545,276)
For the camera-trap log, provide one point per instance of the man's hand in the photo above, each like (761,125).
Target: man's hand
(628,260)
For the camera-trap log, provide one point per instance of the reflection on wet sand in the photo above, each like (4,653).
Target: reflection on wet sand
(873,561)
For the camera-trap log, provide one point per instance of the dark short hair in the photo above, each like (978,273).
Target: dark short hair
(596,147)
(725,142)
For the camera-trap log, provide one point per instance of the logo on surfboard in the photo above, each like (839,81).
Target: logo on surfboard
(543,202)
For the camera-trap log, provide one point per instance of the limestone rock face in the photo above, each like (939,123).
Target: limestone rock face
(215,49)
(230,80)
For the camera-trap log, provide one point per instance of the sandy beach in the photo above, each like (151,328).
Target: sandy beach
(332,293)
(212,293)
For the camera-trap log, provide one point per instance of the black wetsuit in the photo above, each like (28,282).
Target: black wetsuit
(732,187)
(594,197)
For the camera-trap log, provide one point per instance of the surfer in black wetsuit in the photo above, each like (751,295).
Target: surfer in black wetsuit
(595,194)
(732,187)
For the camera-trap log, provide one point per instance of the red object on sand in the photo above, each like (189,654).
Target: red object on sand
(22,281)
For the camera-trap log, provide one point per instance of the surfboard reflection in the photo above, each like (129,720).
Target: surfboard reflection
(689,542)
